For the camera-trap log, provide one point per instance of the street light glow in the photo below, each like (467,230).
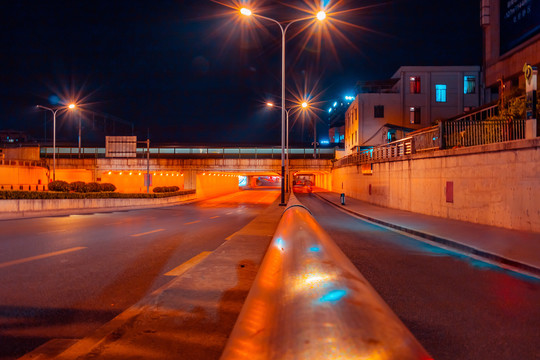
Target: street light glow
(321,15)
(304,104)
(71,106)
(245,11)
(269,104)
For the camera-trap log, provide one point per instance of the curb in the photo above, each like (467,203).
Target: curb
(500,260)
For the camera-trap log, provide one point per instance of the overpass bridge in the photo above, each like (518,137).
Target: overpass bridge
(190,167)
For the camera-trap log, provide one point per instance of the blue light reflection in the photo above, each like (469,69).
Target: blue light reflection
(333,296)
(280,243)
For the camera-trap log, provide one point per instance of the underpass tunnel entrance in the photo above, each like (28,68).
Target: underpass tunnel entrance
(260,180)
(320,179)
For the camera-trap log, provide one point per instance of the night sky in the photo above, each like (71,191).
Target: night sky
(194,72)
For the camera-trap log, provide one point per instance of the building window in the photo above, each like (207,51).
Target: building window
(378,111)
(469,84)
(415,84)
(440,93)
(414,115)
(391,135)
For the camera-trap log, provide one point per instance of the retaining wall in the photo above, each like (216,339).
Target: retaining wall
(28,208)
(494,184)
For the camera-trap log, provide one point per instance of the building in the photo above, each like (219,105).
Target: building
(511,39)
(336,119)
(414,97)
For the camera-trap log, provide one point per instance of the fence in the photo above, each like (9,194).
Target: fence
(475,128)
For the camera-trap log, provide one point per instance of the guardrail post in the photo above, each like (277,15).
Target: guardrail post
(413,145)
(442,142)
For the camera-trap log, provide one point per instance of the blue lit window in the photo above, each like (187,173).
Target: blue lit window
(440,93)
(469,83)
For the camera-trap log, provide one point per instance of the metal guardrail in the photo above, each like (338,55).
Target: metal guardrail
(467,132)
(194,152)
(309,301)
(471,129)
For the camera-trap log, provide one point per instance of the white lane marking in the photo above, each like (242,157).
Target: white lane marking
(42,256)
(146,233)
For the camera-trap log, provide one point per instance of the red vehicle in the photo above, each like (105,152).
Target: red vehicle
(302,186)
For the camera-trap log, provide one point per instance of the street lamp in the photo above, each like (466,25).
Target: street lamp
(54,111)
(304,105)
(321,15)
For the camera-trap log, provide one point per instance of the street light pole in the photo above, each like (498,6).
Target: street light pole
(321,16)
(54,111)
(286,144)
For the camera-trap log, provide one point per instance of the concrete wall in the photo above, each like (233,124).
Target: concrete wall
(215,184)
(26,176)
(21,153)
(493,184)
(24,208)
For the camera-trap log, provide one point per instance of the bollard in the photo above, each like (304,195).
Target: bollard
(342,197)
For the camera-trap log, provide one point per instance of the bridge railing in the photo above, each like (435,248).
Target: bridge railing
(309,301)
(475,128)
(194,152)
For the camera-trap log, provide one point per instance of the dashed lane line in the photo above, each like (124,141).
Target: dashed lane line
(147,233)
(39,257)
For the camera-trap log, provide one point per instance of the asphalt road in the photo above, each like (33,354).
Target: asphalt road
(63,277)
(457,307)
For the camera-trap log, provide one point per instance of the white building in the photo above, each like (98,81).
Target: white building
(415,97)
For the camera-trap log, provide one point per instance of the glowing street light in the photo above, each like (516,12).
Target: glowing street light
(245,11)
(320,16)
(304,105)
(54,111)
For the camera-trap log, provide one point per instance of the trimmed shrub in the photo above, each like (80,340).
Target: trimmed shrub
(59,185)
(92,187)
(166,189)
(77,186)
(107,187)
(16,194)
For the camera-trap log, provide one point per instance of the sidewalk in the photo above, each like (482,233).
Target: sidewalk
(514,250)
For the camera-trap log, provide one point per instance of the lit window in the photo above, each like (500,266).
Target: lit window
(414,115)
(415,86)
(469,84)
(440,93)
(378,111)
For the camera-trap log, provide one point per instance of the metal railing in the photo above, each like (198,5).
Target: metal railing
(467,132)
(194,152)
(309,301)
(475,128)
